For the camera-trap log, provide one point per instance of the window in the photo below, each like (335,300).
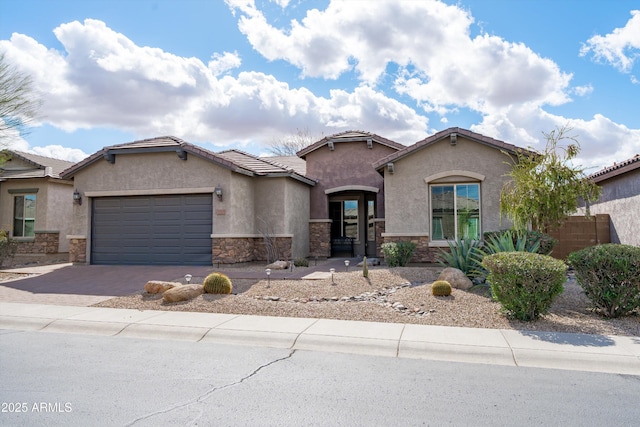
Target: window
(455,211)
(24,215)
(345,218)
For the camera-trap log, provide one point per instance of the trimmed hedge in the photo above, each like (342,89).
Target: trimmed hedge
(610,277)
(525,283)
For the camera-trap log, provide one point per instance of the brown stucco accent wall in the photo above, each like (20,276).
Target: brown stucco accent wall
(349,164)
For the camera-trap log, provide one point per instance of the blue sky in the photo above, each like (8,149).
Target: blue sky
(243,74)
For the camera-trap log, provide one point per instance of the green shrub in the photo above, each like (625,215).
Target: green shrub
(217,283)
(610,277)
(524,283)
(365,267)
(441,288)
(8,246)
(301,262)
(542,242)
(398,254)
(463,255)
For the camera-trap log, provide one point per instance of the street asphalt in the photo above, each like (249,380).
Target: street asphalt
(41,303)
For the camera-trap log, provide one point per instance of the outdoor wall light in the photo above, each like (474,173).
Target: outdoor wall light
(218,191)
(187,278)
(268,271)
(77,198)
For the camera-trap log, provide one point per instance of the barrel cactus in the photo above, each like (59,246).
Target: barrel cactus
(217,283)
(441,288)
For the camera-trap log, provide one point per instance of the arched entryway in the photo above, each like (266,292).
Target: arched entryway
(353,230)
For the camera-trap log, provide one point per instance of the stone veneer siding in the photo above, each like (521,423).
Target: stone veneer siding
(232,250)
(422,253)
(379,238)
(78,250)
(320,239)
(44,242)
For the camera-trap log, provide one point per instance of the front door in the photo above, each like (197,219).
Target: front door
(352,217)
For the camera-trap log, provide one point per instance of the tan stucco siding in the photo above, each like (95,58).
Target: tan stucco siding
(59,212)
(270,206)
(297,217)
(407,194)
(156,174)
(620,199)
(54,206)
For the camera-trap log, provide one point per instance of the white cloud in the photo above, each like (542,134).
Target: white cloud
(59,152)
(620,48)
(106,80)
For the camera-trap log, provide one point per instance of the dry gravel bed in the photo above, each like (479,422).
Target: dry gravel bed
(353,297)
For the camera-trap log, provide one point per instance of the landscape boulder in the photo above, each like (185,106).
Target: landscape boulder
(278,265)
(456,278)
(158,286)
(182,293)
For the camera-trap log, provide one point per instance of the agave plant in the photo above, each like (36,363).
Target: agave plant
(464,255)
(509,241)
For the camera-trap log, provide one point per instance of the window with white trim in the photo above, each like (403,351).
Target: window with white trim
(455,211)
(24,215)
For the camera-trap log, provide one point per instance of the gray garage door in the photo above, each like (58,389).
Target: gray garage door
(164,230)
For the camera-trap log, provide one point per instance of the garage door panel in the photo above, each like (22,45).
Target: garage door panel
(168,230)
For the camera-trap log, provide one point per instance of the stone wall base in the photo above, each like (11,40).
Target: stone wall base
(234,250)
(44,242)
(422,253)
(320,239)
(78,250)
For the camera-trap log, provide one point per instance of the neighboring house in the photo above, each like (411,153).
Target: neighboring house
(165,201)
(35,204)
(444,187)
(620,199)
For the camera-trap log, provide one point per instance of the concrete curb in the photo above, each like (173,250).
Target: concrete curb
(583,352)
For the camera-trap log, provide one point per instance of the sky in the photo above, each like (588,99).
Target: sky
(245,74)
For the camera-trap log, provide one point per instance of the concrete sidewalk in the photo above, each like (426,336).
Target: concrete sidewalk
(597,353)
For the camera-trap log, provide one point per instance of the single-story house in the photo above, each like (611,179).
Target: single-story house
(166,201)
(35,202)
(620,199)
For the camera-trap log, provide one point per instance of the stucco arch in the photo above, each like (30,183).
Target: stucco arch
(463,173)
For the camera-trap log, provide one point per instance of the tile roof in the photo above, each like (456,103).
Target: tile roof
(235,160)
(617,169)
(41,166)
(294,162)
(501,145)
(349,136)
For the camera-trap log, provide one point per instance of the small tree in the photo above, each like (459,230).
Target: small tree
(18,102)
(545,187)
(289,145)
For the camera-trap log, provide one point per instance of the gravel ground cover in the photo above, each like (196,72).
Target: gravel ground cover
(399,295)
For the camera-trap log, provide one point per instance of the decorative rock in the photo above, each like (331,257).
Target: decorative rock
(370,261)
(278,265)
(158,286)
(182,293)
(456,278)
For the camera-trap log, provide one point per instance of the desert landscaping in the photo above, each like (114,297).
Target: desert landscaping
(398,295)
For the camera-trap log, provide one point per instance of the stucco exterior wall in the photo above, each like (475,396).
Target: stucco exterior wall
(348,164)
(156,174)
(54,205)
(620,199)
(296,206)
(407,194)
